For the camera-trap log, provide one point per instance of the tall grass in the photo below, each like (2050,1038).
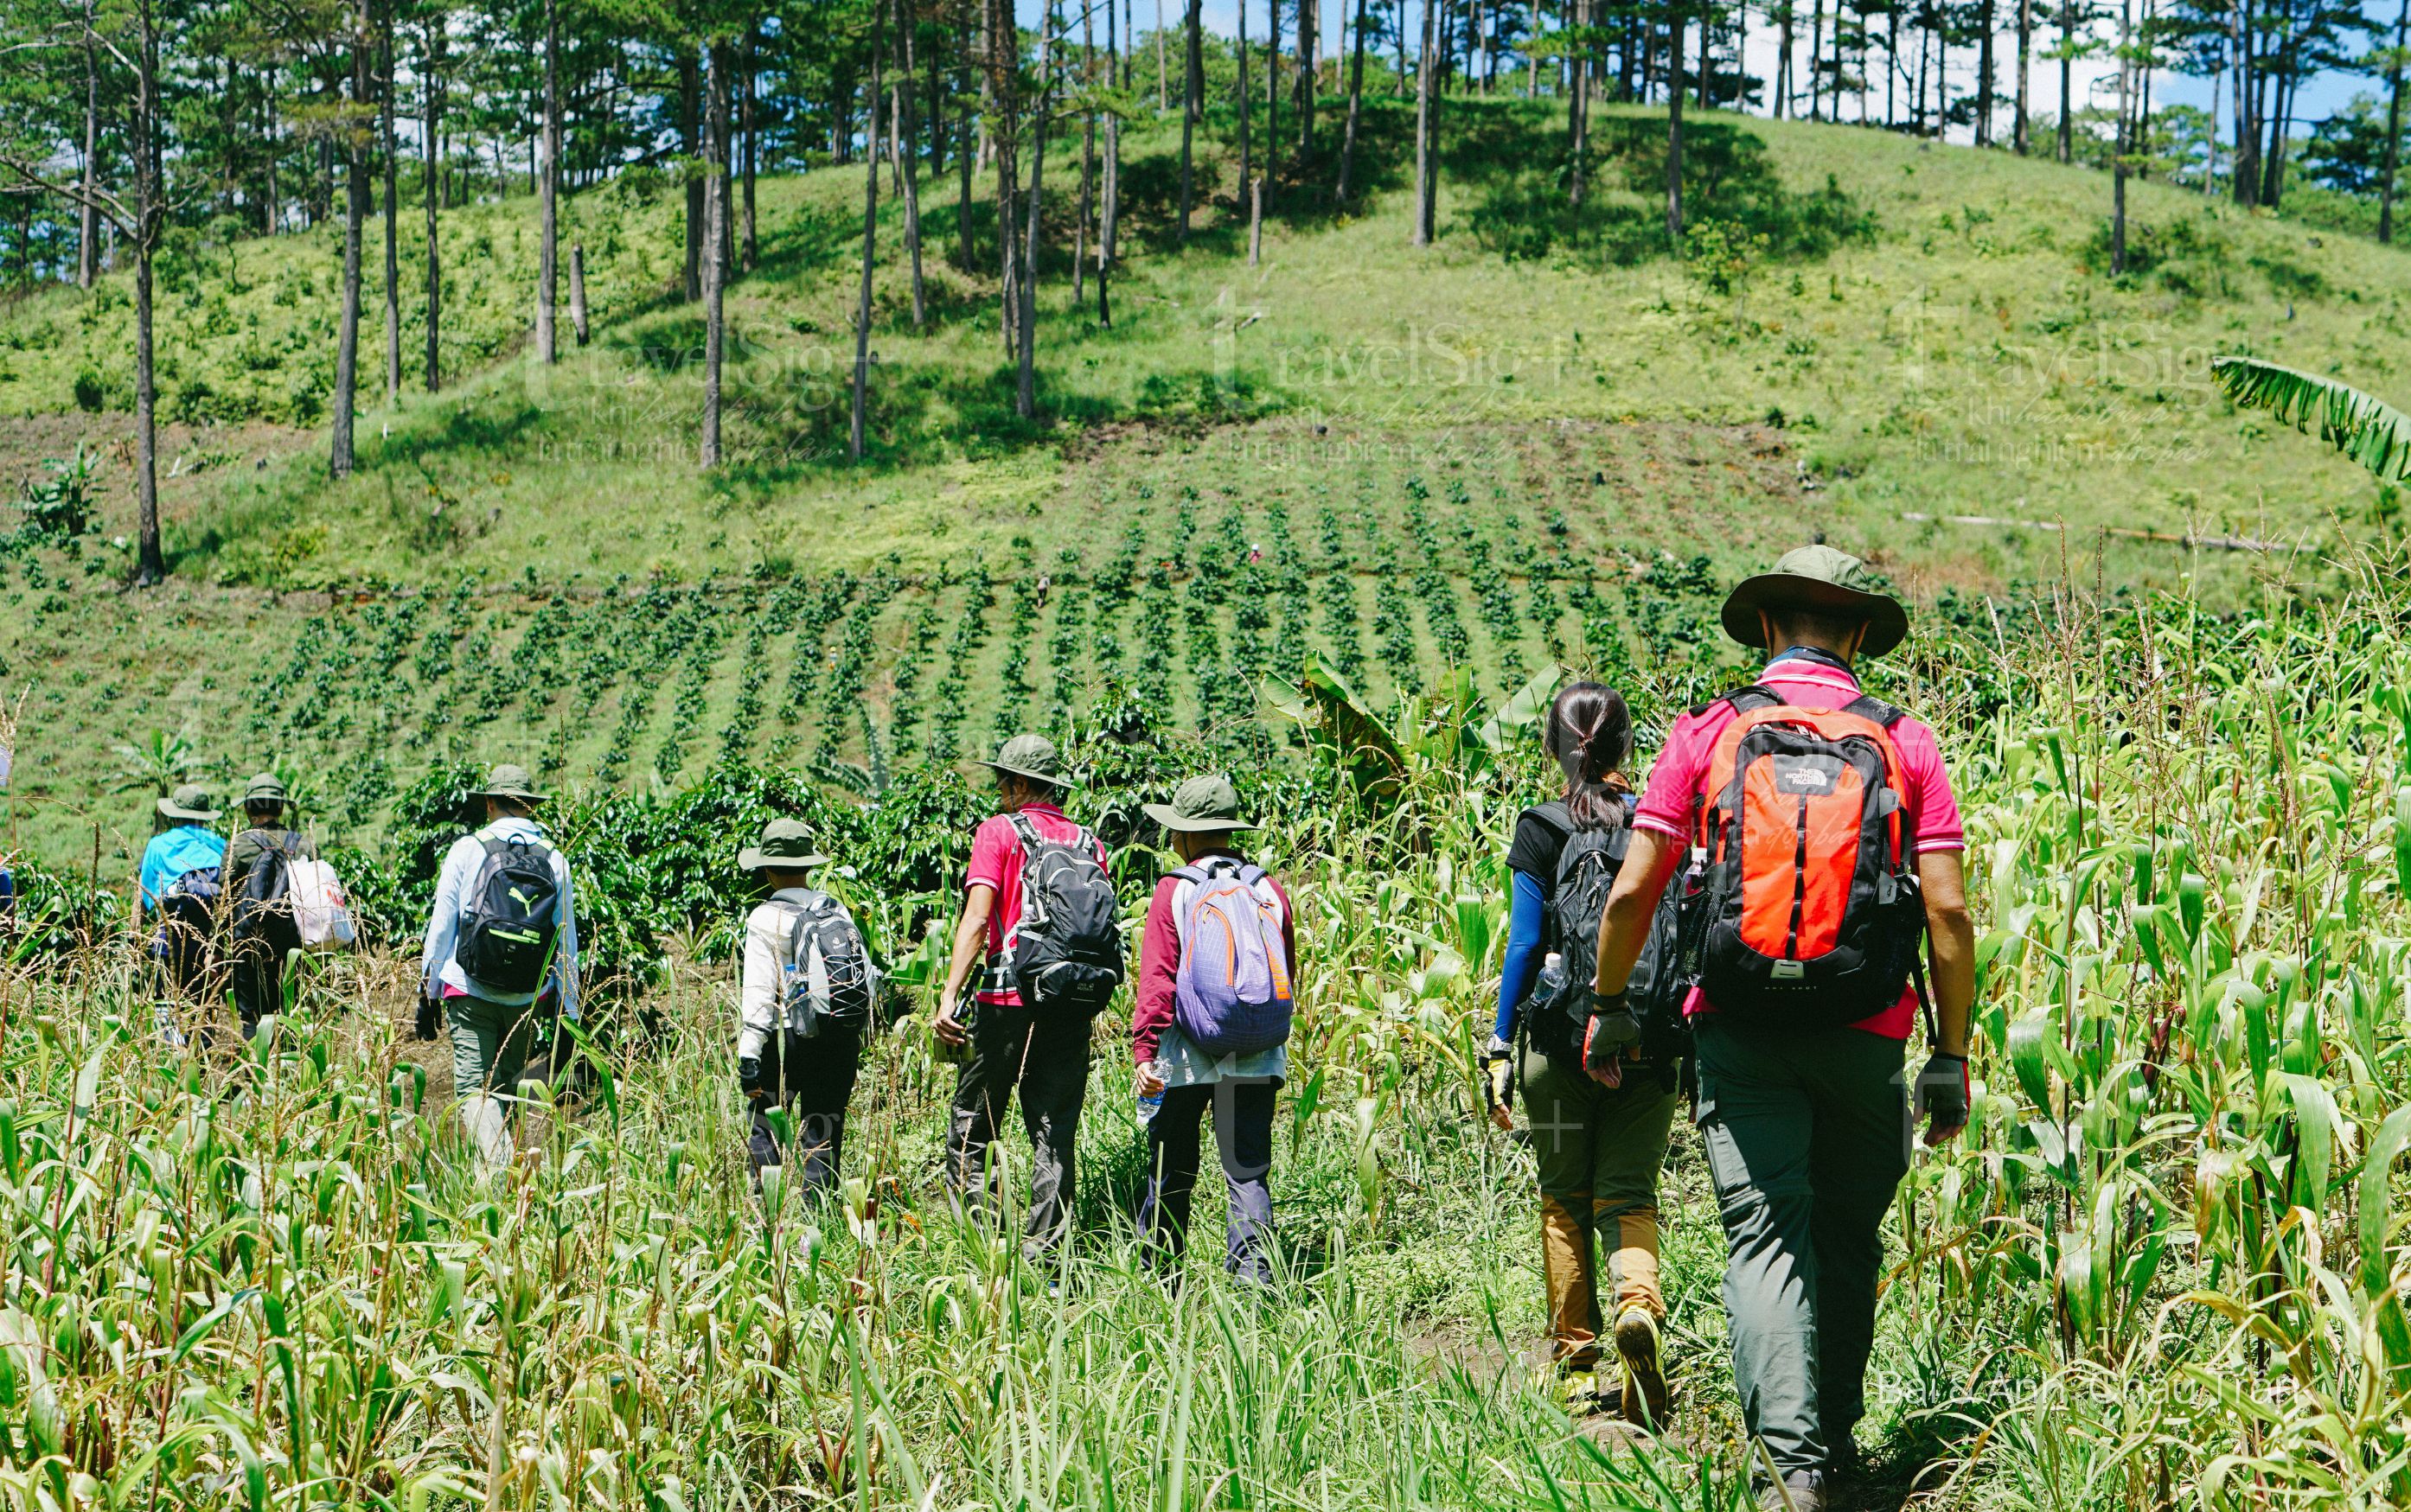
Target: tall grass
(2162,1268)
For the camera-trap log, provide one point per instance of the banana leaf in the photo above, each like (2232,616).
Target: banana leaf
(2362,426)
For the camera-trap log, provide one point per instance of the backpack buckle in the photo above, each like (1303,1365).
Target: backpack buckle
(1786,971)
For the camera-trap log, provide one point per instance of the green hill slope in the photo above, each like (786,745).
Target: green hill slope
(1509,447)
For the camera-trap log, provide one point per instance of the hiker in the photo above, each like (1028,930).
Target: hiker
(803,1006)
(501,957)
(178,886)
(1599,1143)
(1810,979)
(256,875)
(1210,1024)
(1040,921)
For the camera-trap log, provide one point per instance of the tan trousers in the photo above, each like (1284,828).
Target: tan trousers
(1600,1149)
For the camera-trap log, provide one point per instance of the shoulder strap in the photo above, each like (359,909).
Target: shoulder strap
(1755,696)
(1031,839)
(1870,707)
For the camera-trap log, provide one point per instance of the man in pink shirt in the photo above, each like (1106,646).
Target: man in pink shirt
(1807,1127)
(1008,1044)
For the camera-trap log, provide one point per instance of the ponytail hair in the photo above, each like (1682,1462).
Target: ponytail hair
(1589,735)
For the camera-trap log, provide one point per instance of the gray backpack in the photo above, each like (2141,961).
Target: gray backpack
(830,982)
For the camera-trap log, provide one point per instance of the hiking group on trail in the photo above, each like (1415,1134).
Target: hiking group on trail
(1752,930)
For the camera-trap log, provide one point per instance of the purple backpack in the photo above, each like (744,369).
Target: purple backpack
(1232,993)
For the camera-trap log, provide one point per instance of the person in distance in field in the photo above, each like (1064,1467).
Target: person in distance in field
(1217,987)
(254,877)
(1828,844)
(1599,1141)
(501,956)
(177,886)
(803,1006)
(1039,923)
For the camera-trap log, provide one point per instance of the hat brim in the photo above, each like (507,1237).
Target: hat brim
(519,797)
(1165,815)
(1773,592)
(168,810)
(752,858)
(1025,773)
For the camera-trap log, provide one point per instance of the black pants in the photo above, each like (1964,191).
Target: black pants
(257,965)
(1047,1056)
(813,1079)
(1243,1130)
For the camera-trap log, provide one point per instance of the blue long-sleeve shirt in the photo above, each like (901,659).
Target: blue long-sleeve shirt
(1526,912)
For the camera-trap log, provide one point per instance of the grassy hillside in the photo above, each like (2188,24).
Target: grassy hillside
(1509,447)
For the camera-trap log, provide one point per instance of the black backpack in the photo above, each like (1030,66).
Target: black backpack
(1067,949)
(1586,871)
(188,923)
(263,909)
(510,917)
(823,936)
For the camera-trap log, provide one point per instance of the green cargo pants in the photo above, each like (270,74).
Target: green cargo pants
(1808,1135)
(1600,1149)
(489,1050)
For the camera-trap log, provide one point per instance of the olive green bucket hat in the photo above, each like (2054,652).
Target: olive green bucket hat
(265,788)
(191,803)
(1201,806)
(1033,757)
(1825,581)
(509,780)
(785,842)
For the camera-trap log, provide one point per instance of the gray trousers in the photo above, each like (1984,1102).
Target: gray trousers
(1808,1138)
(1243,1132)
(1044,1057)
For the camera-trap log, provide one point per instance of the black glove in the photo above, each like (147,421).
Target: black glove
(749,1077)
(430,1015)
(1942,1091)
(1611,1030)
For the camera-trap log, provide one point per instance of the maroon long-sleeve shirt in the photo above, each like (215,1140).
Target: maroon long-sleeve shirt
(1159,961)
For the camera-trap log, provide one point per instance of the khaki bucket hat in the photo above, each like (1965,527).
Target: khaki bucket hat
(1201,806)
(509,780)
(189,802)
(1030,756)
(1823,579)
(265,788)
(784,842)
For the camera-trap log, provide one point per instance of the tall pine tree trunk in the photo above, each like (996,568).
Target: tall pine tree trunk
(149,221)
(1783,59)
(854,433)
(749,127)
(1427,131)
(1674,30)
(1088,152)
(390,157)
(907,136)
(1356,91)
(690,109)
(1108,215)
(2246,167)
(2121,144)
(715,248)
(1984,77)
(2393,122)
(1246,161)
(356,211)
(2022,131)
(88,211)
(965,120)
(1188,111)
(1025,402)
(2066,82)
(548,251)
(429,146)
(1578,70)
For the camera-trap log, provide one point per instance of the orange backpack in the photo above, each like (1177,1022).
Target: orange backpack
(1812,912)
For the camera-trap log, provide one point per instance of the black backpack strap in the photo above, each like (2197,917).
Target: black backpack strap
(1743,700)
(1870,707)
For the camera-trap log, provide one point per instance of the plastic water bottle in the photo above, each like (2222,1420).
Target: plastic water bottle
(1151,1103)
(1552,984)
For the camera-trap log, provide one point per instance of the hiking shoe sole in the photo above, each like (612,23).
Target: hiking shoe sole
(1646,1399)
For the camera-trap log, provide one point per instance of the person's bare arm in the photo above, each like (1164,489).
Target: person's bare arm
(970,942)
(1624,927)
(1951,928)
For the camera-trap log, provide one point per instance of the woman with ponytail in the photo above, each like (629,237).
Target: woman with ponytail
(1599,1142)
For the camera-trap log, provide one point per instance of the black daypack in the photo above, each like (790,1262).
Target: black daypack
(510,917)
(263,909)
(1586,871)
(829,977)
(1067,949)
(188,923)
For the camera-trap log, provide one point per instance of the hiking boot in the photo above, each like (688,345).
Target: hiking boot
(1801,1491)
(1579,1390)
(1646,1401)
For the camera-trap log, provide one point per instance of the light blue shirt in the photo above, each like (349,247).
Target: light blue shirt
(1185,1065)
(441,965)
(173,852)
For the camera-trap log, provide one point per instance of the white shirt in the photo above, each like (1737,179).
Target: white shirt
(461,863)
(762,994)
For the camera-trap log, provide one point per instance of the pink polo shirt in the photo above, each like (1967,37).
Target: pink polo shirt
(1680,771)
(997,862)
